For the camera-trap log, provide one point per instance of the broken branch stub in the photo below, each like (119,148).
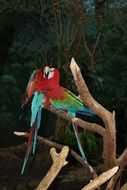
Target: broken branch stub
(74,68)
(101,179)
(59,160)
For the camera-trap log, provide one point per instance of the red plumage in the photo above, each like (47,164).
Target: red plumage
(50,87)
(31,89)
(38,82)
(42,84)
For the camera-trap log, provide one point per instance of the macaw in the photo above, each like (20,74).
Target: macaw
(36,87)
(44,87)
(60,98)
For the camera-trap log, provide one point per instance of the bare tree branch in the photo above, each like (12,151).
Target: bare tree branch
(83,124)
(124,187)
(122,162)
(109,138)
(59,160)
(101,179)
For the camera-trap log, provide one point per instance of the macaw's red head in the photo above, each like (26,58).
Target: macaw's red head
(47,78)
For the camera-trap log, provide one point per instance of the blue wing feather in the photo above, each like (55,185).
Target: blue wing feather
(38,126)
(36,107)
(37,103)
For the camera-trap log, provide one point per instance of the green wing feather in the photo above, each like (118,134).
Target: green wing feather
(69,102)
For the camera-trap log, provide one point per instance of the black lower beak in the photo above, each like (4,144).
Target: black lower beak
(47,74)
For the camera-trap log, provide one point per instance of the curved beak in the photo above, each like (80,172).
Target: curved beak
(46,72)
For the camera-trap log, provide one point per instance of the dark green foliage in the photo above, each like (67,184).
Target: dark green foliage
(92,144)
(67,137)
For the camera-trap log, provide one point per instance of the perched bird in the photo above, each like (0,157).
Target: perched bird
(45,90)
(60,98)
(39,82)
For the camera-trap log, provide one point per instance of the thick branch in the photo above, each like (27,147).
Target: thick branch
(79,122)
(84,92)
(123,158)
(101,179)
(124,187)
(59,160)
(122,162)
(109,140)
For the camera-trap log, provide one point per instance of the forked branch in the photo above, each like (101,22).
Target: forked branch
(59,160)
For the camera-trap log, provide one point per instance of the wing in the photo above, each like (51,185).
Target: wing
(36,108)
(68,102)
(71,103)
(30,89)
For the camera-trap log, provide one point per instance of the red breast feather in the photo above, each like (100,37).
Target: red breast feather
(55,93)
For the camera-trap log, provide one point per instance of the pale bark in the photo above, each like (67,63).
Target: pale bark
(124,187)
(101,179)
(109,136)
(59,160)
(121,162)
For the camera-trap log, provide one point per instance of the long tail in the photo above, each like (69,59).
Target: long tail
(32,139)
(79,142)
(29,146)
(36,108)
(36,130)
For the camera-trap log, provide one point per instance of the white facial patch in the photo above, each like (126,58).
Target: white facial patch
(48,72)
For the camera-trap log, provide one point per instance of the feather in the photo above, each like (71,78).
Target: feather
(36,107)
(29,147)
(36,130)
(79,142)
(71,103)
(37,103)
(31,86)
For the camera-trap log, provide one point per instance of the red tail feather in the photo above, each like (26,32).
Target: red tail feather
(29,146)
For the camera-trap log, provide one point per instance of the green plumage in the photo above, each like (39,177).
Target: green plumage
(70,103)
